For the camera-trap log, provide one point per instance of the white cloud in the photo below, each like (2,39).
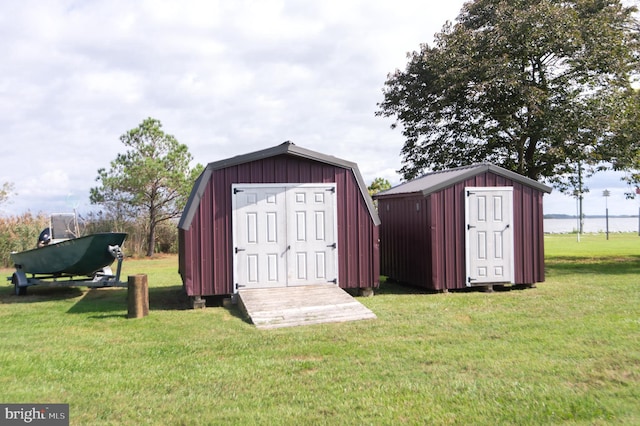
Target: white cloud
(224,77)
(112,86)
(52,182)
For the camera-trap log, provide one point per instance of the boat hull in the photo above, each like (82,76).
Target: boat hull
(79,256)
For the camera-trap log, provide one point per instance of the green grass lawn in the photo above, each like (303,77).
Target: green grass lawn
(566,352)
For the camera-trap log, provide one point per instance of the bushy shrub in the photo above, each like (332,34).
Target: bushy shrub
(167,237)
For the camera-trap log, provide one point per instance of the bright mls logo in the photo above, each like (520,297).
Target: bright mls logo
(34,414)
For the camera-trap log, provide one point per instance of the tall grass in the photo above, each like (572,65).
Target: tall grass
(19,233)
(566,352)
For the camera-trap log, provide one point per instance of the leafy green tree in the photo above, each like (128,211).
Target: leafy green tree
(152,179)
(625,146)
(530,85)
(378,185)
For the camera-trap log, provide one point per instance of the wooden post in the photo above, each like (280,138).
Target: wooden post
(138,296)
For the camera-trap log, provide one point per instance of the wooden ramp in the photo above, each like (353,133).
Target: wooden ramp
(293,306)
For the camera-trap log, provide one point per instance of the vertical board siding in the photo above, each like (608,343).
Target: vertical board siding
(206,252)
(403,242)
(428,249)
(522,240)
(437,238)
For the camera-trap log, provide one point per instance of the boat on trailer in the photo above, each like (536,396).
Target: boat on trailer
(69,260)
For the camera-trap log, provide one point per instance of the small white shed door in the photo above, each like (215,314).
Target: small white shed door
(489,235)
(284,235)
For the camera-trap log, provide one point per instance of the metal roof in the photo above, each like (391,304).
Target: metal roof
(285,148)
(435,181)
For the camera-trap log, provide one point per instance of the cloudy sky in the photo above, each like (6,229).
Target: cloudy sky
(223,77)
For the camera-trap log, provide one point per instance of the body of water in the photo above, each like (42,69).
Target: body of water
(591,225)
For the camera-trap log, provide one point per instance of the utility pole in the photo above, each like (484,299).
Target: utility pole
(578,194)
(606,194)
(580,215)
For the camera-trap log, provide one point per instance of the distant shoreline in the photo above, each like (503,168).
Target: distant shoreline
(559,224)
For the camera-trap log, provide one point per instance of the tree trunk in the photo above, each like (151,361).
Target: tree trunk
(151,239)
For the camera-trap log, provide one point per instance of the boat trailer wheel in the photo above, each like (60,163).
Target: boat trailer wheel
(19,291)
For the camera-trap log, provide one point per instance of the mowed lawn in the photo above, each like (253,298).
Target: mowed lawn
(566,352)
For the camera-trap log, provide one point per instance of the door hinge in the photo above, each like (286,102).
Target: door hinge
(239,249)
(236,190)
(240,285)
(332,189)
(469,279)
(334,245)
(470,227)
(335,281)
(470,193)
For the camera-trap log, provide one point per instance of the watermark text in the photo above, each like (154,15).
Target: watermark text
(34,414)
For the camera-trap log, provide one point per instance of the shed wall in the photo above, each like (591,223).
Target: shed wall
(423,238)
(206,252)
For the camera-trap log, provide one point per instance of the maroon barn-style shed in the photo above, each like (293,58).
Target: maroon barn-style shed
(279,217)
(477,225)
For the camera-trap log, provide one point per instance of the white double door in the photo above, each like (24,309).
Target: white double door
(489,235)
(284,235)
